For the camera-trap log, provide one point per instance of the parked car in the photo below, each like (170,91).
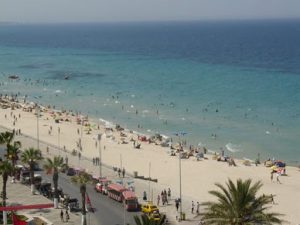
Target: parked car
(71,172)
(149,208)
(45,189)
(24,175)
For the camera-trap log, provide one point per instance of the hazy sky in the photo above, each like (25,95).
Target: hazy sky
(144,10)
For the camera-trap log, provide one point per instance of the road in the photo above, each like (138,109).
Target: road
(107,211)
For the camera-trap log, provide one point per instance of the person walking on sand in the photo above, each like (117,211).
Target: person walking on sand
(272,175)
(67,216)
(123,172)
(62,215)
(198,207)
(272,199)
(193,206)
(277,177)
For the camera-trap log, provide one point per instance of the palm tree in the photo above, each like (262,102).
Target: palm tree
(6,170)
(6,138)
(13,152)
(238,205)
(54,166)
(82,179)
(30,156)
(144,220)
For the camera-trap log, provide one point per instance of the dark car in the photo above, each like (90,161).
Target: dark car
(45,189)
(71,172)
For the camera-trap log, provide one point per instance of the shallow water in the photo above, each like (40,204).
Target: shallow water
(225,84)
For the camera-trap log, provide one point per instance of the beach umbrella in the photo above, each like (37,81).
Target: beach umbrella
(280,164)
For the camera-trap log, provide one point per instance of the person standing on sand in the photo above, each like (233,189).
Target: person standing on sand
(123,172)
(61,215)
(158,199)
(193,206)
(169,193)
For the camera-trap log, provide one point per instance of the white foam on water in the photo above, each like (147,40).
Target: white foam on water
(233,148)
(58,91)
(132,96)
(268,132)
(117,102)
(250,160)
(132,106)
(145,111)
(200,144)
(182,118)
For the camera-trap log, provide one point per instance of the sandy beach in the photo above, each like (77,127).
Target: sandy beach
(198,177)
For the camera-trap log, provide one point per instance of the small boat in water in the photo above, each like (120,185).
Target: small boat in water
(14,77)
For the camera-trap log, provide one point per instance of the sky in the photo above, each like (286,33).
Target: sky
(49,11)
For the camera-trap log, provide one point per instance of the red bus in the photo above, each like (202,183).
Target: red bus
(115,191)
(130,200)
(121,194)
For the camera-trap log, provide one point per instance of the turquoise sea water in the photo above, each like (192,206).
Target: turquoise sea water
(238,80)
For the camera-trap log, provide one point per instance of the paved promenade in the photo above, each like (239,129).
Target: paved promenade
(19,194)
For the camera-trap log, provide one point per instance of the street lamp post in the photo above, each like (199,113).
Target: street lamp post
(149,180)
(37,125)
(58,135)
(100,155)
(179,134)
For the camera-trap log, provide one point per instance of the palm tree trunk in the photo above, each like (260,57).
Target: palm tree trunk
(5,177)
(31,179)
(14,166)
(83,210)
(55,182)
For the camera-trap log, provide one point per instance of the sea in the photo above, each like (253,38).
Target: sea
(231,86)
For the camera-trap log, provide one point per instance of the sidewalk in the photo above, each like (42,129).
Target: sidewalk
(19,194)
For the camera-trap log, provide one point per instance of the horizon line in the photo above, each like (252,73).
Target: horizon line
(150,21)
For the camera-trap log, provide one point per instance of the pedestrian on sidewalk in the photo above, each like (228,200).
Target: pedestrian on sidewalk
(177,204)
(145,196)
(193,206)
(158,199)
(62,215)
(119,172)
